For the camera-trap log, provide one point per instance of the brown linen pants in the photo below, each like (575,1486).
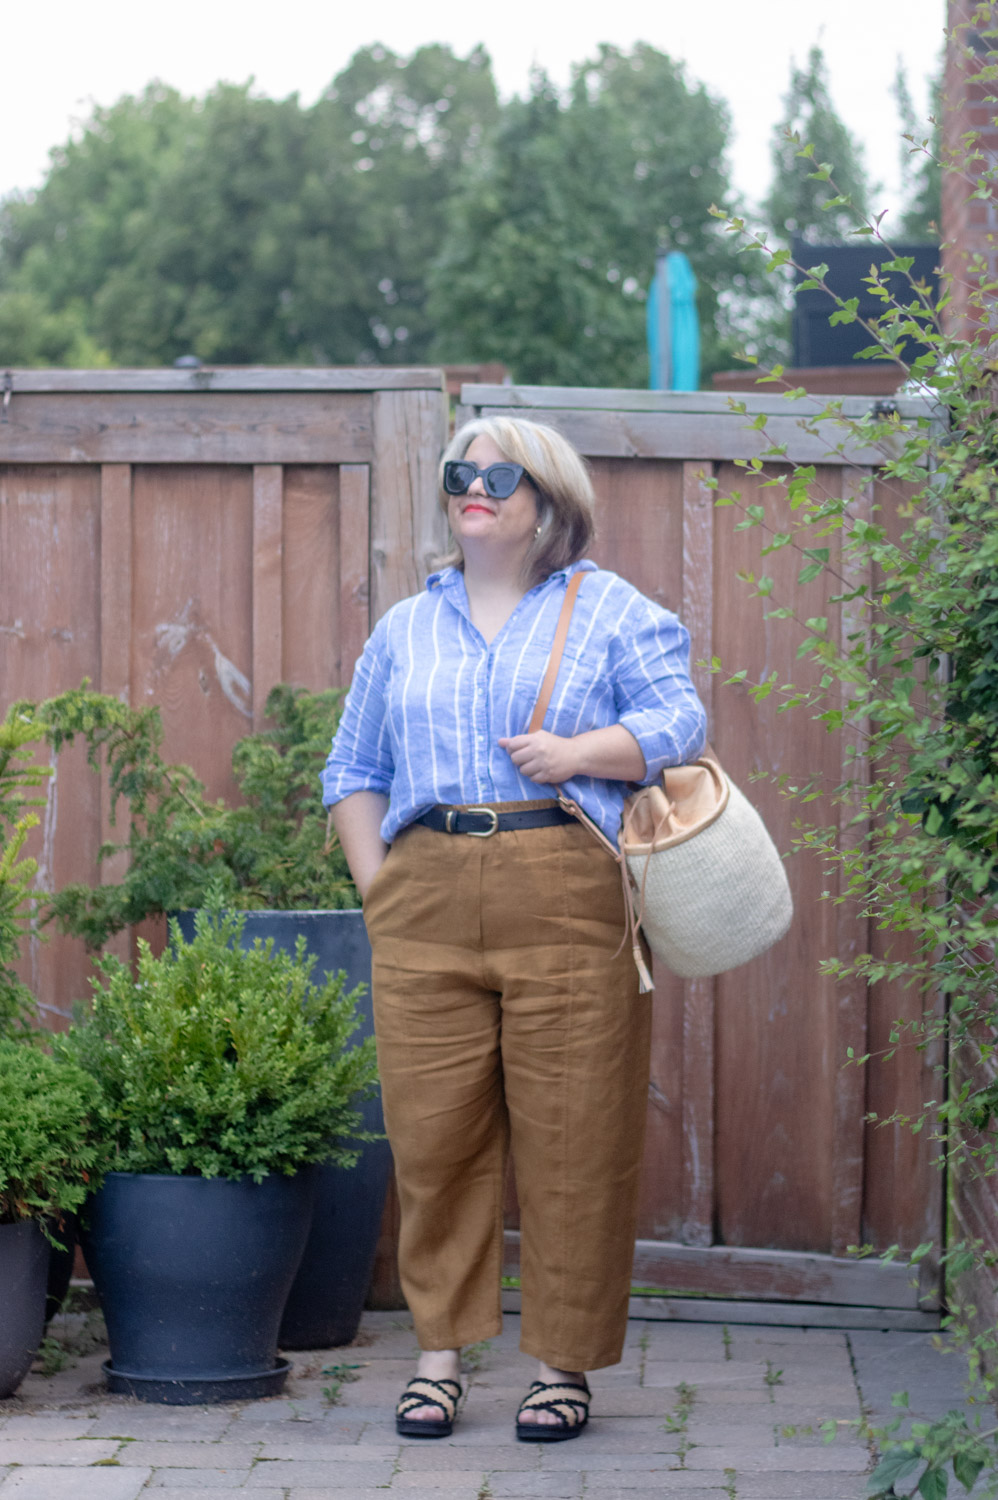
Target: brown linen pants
(504,1020)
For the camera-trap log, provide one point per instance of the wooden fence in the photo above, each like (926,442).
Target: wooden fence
(192,538)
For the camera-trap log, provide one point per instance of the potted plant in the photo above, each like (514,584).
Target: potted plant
(48,1158)
(272,857)
(222,1073)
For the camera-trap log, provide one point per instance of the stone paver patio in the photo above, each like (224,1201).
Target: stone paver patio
(695,1410)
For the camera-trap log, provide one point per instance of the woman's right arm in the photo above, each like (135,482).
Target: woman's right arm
(357,820)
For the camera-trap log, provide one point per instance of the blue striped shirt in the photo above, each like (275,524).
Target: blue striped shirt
(430,699)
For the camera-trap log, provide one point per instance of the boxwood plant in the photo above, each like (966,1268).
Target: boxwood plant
(222,1061)
(49,1152)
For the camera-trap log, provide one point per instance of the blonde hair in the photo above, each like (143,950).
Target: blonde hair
(565,497)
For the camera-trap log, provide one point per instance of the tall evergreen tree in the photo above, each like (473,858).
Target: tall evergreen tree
(795,202)
(921,162)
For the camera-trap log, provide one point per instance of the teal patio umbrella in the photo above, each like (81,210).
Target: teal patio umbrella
(673,326)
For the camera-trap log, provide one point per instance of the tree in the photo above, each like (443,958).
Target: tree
(796,203)
(921,167)
(554,235)
(245,229)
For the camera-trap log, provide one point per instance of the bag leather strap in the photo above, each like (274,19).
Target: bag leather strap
(554,660)
(631,927)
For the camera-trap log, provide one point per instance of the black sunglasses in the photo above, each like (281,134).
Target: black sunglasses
(500,480)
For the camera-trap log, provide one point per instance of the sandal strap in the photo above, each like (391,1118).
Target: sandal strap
(421,1391)
(564,1399)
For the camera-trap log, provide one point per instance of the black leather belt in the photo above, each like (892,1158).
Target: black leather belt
(482,822)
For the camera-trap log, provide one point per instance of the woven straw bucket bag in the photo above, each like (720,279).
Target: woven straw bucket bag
(702,878)
(711,888)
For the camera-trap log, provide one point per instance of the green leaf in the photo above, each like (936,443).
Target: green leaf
(966,1469)
(933,1484)
(891,1470)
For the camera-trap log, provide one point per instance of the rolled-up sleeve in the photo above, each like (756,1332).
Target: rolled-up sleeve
(361,759)
(655,698)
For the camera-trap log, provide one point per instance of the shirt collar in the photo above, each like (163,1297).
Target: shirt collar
(451,579)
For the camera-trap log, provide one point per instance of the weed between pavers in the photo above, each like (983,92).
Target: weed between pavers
(828,1429)
(729,1484)
(678,1420)
(772,1378)
(473,1357)
(727,1340)
(76,1331)
(342,1375)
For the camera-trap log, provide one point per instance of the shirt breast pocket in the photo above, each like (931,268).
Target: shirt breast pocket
(582,698)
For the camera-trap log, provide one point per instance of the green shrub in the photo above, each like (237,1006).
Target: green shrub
(49,1153)
(223,1061)
(271,851)
(20,779)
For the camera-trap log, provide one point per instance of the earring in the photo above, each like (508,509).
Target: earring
(538,530)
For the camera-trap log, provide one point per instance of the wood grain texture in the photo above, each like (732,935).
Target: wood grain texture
(267,378)
(202,427)
(407,526)
(776,1017)
(268,579)
(531,398)
(852,929)
(311,563)
(700,435)
(903,1198)
(639,531)
(769,1314)
(193,611)
(115,648)
(767,1275)
(698,995)
(354,592)
(50,640)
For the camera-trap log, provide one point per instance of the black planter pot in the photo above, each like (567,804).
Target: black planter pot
(60,1264)
(24,1264)
(327,1296)
(193,1274)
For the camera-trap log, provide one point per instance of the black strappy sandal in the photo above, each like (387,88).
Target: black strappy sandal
(569,1402)
(423,1392)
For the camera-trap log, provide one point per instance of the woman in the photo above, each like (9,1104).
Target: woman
(507,1009)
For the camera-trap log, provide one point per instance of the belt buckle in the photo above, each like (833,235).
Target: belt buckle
(484,833)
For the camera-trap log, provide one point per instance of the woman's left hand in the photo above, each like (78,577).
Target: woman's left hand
(547,758)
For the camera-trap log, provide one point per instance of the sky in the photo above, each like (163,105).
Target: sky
(59,57)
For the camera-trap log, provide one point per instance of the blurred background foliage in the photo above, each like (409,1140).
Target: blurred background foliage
(409,216)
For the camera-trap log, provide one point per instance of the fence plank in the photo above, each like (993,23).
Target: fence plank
(254,428)
(852,938)
(50,639)
(268,532)
(115,645)
(698,997)
(354,594)
(775,1033)
(722,437)
(237,378)
(529,398)
(193,611)
(735,1271)
(310,567)
(407,525)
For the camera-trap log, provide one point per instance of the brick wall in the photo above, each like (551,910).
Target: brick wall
(969,224)
(970,253)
